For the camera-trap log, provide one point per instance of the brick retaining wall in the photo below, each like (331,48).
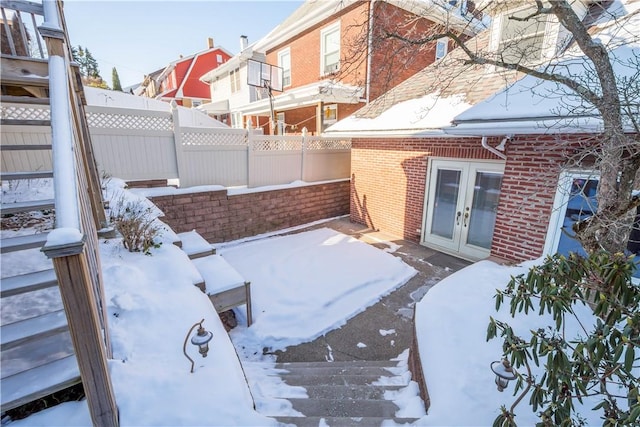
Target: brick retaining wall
(220,217)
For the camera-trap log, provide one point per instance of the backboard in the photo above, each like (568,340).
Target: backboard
(261,74)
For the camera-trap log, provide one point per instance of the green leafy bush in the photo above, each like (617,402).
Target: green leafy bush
(602,361)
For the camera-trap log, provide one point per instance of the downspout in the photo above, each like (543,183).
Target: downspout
(369,48)
(497,151)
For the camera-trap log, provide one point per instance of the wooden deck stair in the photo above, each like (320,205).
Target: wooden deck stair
(36,352)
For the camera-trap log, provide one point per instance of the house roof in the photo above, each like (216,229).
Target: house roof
(312,12)
(458,84)
(535,106)
(448,90)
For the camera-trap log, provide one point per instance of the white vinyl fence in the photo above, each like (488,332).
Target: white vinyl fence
(137,144)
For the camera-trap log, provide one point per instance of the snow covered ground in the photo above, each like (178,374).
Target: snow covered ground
(303,285)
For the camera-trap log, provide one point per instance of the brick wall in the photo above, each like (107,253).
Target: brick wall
(220,217)
(389,177)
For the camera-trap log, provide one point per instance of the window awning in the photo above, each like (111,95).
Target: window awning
(218,107)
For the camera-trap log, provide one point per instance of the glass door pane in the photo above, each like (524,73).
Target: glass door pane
(482,217)
(446,200)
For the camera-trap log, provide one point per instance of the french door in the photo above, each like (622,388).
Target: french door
(461,204)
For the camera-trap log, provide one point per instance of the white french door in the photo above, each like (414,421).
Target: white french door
(460,206)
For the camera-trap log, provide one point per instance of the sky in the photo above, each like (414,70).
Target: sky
(141,36)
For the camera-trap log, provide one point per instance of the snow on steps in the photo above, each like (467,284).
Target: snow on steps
(194,245)
(355,393)
(225,287)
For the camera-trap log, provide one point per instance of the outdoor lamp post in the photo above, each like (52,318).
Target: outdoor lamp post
(201,339)
(504,373)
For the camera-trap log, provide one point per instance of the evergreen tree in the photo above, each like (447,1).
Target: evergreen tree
(115,80)
(87,63)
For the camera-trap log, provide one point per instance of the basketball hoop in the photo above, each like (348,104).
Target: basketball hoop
(265,76)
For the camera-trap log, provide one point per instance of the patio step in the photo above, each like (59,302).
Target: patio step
(345,421)
(194,245)
(356,393)
(31,100)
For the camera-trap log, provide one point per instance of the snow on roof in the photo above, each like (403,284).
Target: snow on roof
(116,99)
(428,113)
(539,105)
(500,95)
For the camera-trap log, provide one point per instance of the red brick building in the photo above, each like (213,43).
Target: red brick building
(180,80)
(334,60)
(475,161)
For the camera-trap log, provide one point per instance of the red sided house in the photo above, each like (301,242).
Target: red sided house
(180,80)
(334,61)
(475,161)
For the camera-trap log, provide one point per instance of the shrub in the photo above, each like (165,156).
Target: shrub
(601,362)
(136,224)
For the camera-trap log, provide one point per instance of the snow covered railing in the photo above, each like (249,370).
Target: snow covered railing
(73,244)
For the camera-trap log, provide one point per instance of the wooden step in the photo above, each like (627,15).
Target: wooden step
(20,122)
(26,147)
(7,176)
(32,329)
(29,206)
(20,243)
(30,282)
(39,382)
(194,245)
(31,100)
(24,71)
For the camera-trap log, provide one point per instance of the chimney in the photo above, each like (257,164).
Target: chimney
(244,42)
(210,43)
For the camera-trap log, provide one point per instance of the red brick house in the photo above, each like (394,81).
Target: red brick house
(333,62)
(180,80)
(473,160)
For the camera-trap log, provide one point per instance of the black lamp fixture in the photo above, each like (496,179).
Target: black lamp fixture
(504,373)
(200,339)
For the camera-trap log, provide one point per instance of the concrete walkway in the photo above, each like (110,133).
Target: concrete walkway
(384,330)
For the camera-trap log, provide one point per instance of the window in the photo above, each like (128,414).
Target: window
(442,47)
(284,62)
(577,200)
(236,120)
(329,115)
(196,103)
(330,49)
(280,124)
(521,41)
(235,80)
(219,58)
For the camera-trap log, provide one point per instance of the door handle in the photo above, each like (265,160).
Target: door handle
(466,217)
(458,214)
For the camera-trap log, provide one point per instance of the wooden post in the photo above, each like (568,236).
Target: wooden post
(177,139)
(72,272)
(250,159)
(303,166)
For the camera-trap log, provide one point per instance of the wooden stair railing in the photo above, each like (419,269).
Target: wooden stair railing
(73,244)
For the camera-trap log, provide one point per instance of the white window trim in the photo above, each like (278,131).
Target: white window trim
(560,202)
(323,33)
(282,53)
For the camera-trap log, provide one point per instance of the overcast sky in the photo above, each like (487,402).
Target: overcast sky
(140,36)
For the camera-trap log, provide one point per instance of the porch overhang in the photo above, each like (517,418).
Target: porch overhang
(217,107)
(305,96)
